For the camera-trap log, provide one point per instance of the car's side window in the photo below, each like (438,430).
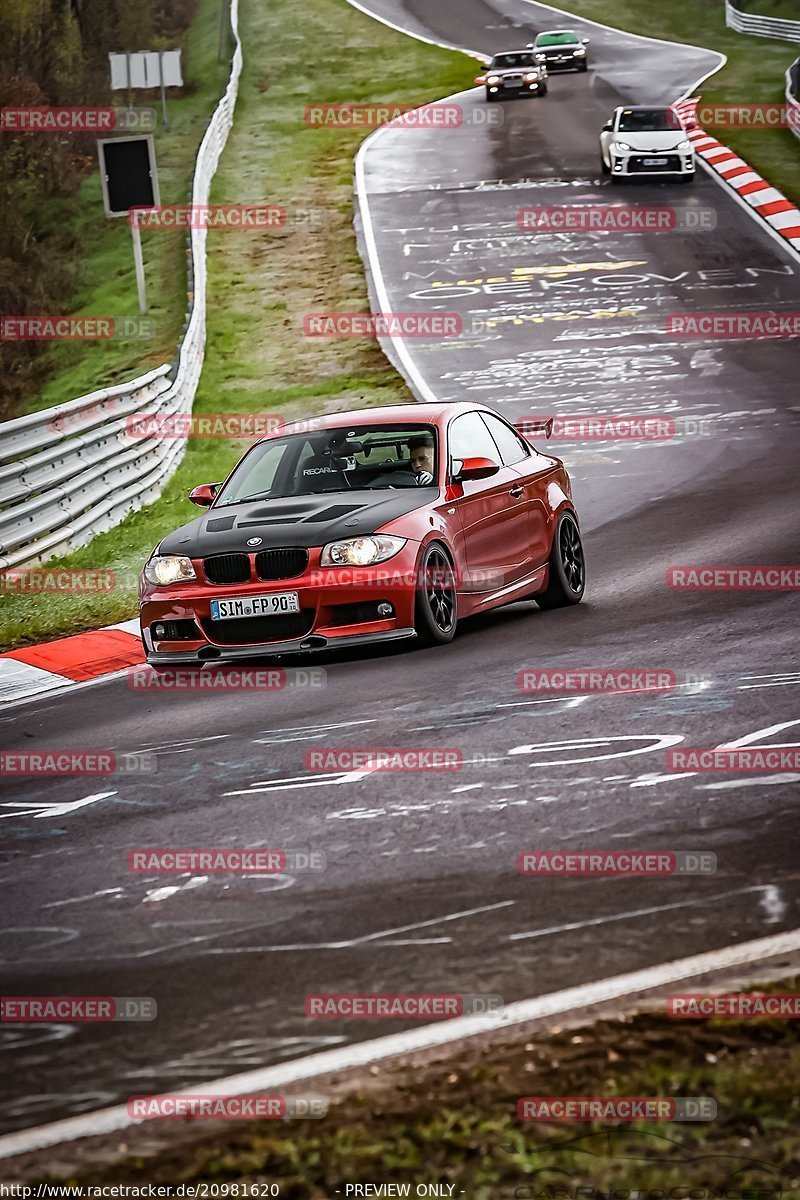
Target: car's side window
(469,438)
(510,444)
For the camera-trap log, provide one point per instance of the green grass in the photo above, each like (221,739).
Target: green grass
(107,279)
(455,1122)
(755,71)
(261,285)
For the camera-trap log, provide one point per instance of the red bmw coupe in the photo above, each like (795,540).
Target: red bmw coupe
(361,527)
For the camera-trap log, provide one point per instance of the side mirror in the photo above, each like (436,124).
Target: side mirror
(608,127)
(585,41)
(203,495)
(480,79)
(477,468)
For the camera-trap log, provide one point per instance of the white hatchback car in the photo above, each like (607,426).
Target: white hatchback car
(646,142)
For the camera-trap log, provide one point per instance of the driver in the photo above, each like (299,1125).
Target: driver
(421,450)
(420,462)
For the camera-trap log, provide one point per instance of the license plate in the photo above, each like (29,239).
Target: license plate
(654,162)
(272,605)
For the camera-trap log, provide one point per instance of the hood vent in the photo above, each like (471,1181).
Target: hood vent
(267,521)
(333,513)
(220,525)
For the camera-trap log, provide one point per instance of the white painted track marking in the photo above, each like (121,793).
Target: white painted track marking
(360,1054)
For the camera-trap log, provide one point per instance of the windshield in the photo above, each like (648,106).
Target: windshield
(556,39)
(335,460)
(502,62)
(648,120)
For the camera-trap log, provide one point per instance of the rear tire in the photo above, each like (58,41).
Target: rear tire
(567,566)
(436,605)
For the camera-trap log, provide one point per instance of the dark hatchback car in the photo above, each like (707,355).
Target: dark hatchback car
(561,50)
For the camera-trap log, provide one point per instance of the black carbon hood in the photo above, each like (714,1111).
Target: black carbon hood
(294,521)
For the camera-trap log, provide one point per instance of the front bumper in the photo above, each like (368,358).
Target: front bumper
(634,165)
(505,90)
(314,643)
(566,62)
(338,607)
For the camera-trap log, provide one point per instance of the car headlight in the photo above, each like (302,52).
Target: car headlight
(361,551)
(621,146)
(492,78)
(531,76)
(685,145)
(165,569)
(580,50)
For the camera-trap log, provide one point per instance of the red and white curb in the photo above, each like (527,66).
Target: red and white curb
(84,658)
(764,199)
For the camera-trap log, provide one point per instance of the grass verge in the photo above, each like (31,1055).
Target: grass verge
(107,279)
(754,73)
(455,1123)
(261,284)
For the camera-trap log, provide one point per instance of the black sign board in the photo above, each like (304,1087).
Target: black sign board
(128,174)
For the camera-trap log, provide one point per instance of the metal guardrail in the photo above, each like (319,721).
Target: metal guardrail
(73,471)
(784,29)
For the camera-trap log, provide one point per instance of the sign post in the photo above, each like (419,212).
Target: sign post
(129,178)
(138,261)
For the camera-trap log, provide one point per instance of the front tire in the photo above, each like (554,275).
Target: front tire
(604,167)
(542,91)
(567,566)
(436,606)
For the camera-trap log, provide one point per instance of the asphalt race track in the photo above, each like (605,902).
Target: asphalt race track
(420,890)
